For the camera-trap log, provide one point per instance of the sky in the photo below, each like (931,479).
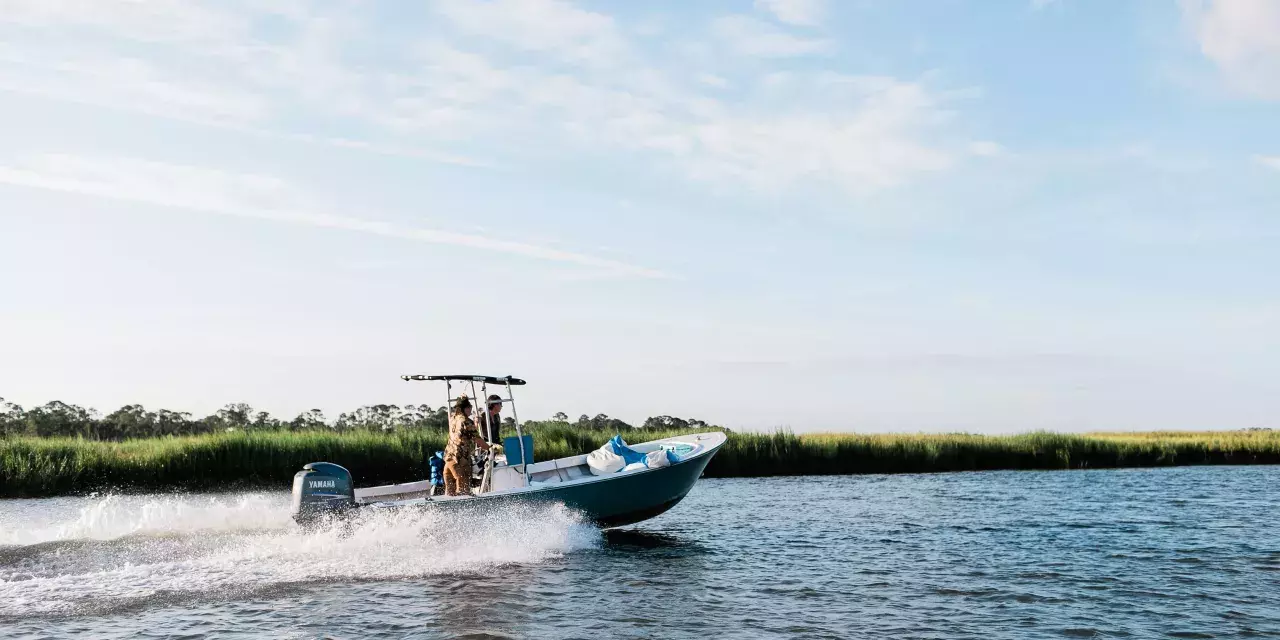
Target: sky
(873,215)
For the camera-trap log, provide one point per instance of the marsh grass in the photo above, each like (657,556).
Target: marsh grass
(32,467)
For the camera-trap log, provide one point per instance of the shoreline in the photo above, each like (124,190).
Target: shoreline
(248,460)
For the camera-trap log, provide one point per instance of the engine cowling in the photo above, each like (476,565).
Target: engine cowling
(321,489)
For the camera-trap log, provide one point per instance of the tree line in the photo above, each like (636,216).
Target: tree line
(59,419)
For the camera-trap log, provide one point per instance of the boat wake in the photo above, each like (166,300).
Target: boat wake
(120,552)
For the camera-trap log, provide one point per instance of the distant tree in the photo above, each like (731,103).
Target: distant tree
(665,422)
(13,420)
(437,420)
(378,417)
(671,422)
(58,418)
(130,421)
(135,421)
(602,422)
(264,422)
(309,421)
(172,423)
(416,417)
(235,415)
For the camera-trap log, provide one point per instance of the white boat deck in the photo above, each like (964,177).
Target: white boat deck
(510,479)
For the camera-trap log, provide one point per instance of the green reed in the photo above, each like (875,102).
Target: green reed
(268,459)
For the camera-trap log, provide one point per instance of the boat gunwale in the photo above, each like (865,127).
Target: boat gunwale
(576,482)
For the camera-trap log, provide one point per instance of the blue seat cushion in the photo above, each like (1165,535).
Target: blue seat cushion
(511,447)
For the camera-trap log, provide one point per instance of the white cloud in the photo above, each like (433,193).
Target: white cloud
(713,80)
(868,139)
(856,133)
(552,26)
(250,196)
(153,20)
(1268,161)
(751,37)
(513,81)
(985,148)
(1242,37)
(181,58)
(76,74)
(805,13)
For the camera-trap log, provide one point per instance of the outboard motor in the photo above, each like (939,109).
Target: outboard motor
(320,489)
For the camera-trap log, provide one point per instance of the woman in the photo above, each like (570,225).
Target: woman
(490,422)
(463,440)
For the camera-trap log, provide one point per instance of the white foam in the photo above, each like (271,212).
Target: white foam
(112,517)
(186,544)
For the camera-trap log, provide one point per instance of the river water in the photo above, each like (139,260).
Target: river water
(1189,553)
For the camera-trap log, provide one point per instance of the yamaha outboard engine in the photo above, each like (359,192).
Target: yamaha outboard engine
(320,489)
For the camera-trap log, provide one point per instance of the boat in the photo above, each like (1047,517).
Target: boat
(637,492)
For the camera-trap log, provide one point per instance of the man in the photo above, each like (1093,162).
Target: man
(490,422)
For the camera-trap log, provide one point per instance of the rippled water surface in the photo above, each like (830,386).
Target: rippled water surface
(1190,553)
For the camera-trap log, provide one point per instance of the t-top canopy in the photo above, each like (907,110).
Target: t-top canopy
(469,378)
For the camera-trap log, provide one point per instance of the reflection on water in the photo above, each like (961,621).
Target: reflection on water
(1140,553)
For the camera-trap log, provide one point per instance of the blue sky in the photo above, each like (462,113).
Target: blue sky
(872,215)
